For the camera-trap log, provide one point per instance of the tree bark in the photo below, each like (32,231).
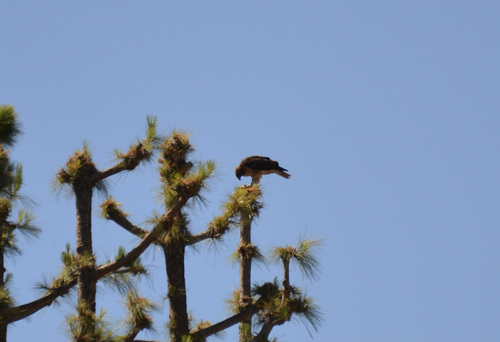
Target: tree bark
(286,281)
(4,318)
(25,310)
(264,333)
(245,326)
(225,324)
(86,275)
(174,258)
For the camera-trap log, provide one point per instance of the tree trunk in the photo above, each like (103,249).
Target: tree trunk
(86,275)
(174,258)
(3,320)
(3,332)
(245,326)
(286,281)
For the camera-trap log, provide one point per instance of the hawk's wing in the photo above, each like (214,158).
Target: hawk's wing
(260,163)
(256,166)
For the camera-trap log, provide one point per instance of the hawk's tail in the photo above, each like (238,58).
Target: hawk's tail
(282,173)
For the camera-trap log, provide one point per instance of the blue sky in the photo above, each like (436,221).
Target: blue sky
(386,114)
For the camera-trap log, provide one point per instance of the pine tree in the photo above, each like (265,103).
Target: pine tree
(14,220)
(258,308)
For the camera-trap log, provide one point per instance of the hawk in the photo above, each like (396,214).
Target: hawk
(256,166)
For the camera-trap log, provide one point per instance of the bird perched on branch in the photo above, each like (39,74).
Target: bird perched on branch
(256,166)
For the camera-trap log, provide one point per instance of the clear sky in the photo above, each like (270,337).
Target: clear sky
(386,113)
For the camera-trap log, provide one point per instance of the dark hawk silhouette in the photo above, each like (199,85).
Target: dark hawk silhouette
(256,166)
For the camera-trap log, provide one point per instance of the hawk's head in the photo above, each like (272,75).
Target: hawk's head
(238,172)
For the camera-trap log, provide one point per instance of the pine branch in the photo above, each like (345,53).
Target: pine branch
(10,127)
(165,224)
(131,336)
(139,319)
(245,314)
(111,211)
(242,206)
(130,161)
(217,228)
(138,153)
(26,310)
(265,331)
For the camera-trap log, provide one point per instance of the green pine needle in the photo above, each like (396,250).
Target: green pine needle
(10,128)
(304,256)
